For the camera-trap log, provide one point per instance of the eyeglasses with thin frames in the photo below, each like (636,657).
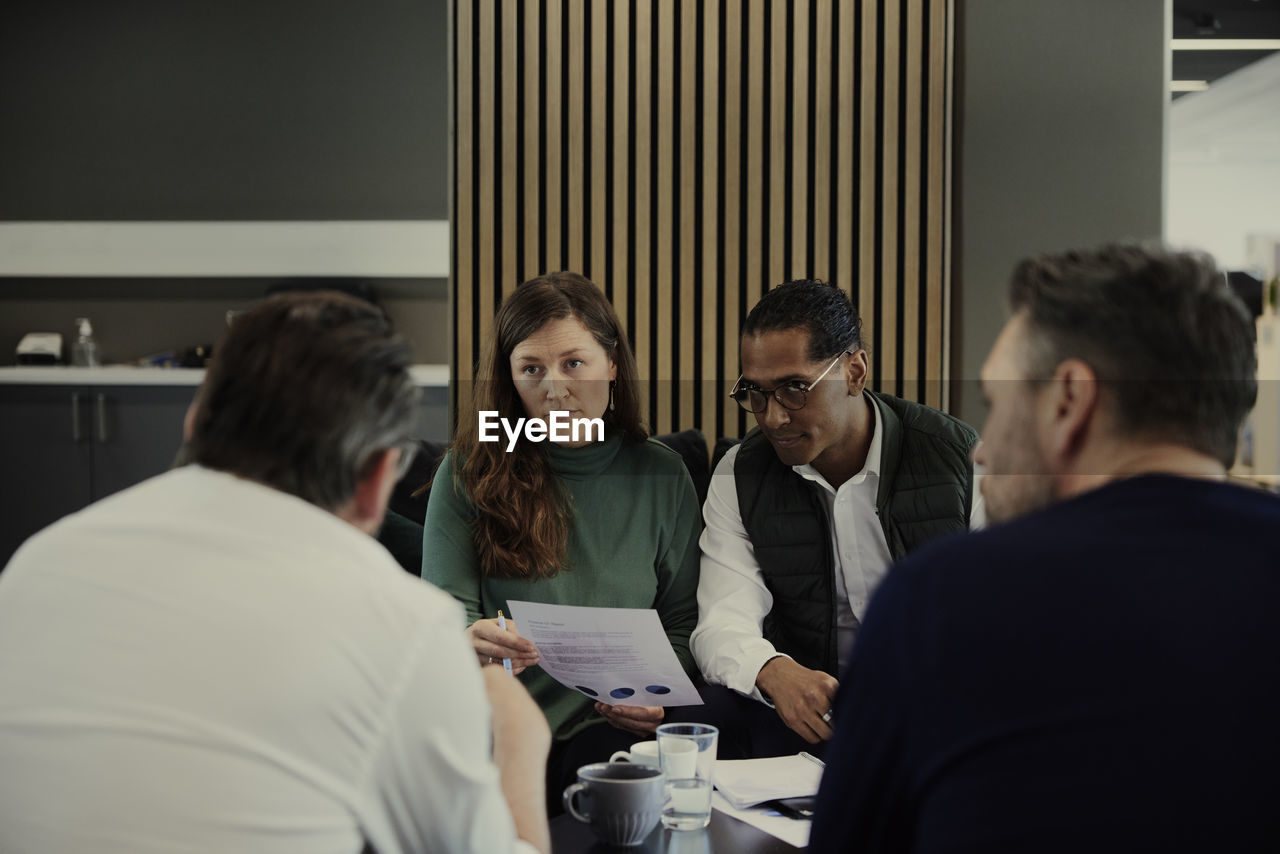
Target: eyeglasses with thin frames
(791,395)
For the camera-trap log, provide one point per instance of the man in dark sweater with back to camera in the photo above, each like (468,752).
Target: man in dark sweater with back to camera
(804,517)
(1101,670)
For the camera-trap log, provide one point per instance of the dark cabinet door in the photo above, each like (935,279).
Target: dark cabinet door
(46,448)
(137,432)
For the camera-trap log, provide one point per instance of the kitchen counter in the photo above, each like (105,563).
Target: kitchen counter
(427,376)
(70,436)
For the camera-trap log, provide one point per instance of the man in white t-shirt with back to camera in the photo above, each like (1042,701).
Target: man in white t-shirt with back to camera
(223,659)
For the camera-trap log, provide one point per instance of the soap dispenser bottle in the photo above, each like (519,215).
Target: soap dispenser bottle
(85,351)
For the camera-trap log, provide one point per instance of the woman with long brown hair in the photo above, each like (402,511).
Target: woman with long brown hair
(609,523)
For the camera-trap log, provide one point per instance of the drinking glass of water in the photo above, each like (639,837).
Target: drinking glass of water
(687,755)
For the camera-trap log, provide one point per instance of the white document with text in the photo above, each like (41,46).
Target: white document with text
(619,656)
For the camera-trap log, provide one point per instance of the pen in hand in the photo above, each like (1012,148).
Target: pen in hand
(506,662)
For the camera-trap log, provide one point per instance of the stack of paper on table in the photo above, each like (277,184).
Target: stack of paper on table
(747,782)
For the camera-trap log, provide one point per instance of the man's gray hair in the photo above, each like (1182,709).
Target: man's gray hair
(303,393)
(1167,338)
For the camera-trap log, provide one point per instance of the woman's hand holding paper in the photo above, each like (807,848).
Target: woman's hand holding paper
(641,720)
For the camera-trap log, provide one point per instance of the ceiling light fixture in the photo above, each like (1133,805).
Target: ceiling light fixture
(1225,44)
(1188,85)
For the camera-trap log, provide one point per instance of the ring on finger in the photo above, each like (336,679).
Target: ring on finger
(826,716)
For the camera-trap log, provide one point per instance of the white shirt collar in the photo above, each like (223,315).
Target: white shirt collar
(870,468)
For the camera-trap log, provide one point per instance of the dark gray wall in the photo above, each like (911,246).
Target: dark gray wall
(227,110)
(1061,110)
(234,109)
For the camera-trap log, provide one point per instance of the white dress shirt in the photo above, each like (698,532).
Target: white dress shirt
(732,598)
(204,664)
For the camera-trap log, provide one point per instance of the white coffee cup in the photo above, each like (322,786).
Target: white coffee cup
(641,753)
(681,757)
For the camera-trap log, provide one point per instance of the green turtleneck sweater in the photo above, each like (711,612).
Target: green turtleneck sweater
(633,543)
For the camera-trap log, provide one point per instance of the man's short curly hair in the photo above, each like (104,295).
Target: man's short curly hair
(817,307)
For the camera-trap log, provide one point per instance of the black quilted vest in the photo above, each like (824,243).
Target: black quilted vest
(926,490)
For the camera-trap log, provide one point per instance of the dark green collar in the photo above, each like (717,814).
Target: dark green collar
(586,461)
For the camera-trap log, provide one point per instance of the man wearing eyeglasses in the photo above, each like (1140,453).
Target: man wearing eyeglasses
(806,514)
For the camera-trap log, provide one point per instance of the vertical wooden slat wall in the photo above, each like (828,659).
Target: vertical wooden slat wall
(687,155)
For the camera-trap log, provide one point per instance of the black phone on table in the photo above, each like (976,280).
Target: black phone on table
(801,808)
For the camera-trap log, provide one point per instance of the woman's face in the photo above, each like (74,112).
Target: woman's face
(562,367)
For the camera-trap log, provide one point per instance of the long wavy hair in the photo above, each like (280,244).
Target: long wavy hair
(522,530)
